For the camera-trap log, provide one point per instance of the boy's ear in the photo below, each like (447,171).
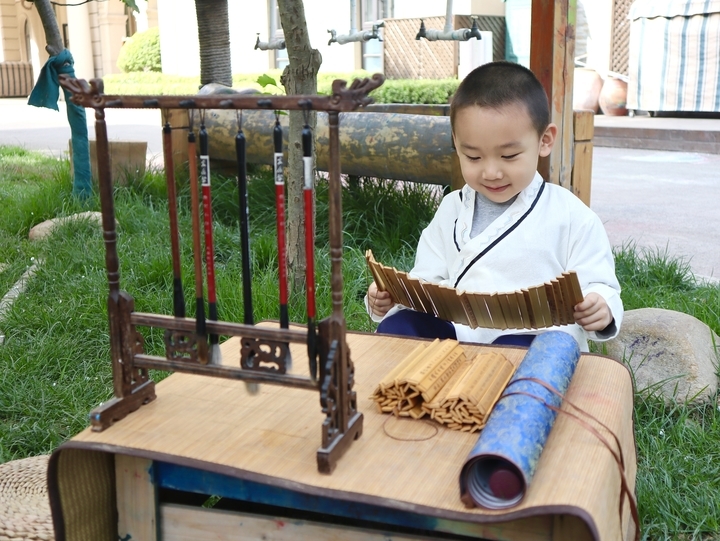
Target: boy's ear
(548,140)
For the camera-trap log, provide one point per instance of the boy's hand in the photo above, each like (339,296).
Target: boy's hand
(380,301)
(593,313)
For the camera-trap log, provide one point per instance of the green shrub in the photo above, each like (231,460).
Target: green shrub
(414,91)
(141,52)
(417,91)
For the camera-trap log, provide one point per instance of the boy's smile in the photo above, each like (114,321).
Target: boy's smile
(499,149)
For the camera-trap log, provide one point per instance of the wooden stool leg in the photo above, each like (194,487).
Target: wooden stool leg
(136,499)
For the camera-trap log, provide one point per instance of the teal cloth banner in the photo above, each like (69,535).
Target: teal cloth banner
(46,94)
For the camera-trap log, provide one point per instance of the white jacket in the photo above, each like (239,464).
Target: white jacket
(545,232)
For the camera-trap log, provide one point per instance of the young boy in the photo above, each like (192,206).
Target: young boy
(507,229)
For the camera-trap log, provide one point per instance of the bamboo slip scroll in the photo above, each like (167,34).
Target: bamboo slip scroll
(439,381)
(537,307)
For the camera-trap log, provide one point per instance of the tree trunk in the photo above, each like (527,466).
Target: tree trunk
(214,40)
(299,77)
(82,185)
(54,41)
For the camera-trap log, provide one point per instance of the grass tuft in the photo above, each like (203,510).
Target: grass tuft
(678,478)
(653,278)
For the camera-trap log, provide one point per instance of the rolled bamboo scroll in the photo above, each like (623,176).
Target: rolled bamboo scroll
(437,380)
(419,377)
(467,399)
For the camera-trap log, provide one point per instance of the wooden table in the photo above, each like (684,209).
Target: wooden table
(147,475)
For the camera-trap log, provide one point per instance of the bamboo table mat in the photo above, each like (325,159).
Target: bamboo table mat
(273,436)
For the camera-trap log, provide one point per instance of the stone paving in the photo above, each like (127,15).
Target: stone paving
(662,200)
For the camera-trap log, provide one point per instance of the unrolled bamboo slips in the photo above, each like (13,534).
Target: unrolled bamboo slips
(537,307)
(439,381)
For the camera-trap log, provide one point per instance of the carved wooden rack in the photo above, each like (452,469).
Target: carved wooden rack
(130,365)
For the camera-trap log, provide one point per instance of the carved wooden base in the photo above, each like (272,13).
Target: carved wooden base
(116,409)
(327,457)
(265,355)
(180,346)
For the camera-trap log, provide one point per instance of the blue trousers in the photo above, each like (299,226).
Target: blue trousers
(422,325)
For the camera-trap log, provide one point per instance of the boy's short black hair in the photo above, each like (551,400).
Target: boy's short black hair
(500,83)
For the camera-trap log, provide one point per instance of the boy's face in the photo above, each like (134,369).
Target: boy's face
(499,149)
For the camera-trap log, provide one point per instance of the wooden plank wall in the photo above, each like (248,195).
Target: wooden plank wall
(552,59)
(581,178)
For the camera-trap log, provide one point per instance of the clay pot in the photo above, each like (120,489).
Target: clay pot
(587,86)
(613,97)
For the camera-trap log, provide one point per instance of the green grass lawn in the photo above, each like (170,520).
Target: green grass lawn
(428,91)
(54,366)
(160,83)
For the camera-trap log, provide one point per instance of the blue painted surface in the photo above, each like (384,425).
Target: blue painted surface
(519,425)
(188,479)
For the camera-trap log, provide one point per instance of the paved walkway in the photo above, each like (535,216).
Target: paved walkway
(47,130)
(661,200)
(659,122)
(658,199)
(659,133)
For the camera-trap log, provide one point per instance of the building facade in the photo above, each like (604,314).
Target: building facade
(95,31)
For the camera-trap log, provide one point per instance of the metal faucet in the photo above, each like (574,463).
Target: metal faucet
(462,34)
(266,45)
(365,35)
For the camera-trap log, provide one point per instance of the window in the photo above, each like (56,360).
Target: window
(276,32)
(373,11)
(28,49)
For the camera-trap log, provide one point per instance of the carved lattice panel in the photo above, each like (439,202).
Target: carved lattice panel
(408,58)
(621,36)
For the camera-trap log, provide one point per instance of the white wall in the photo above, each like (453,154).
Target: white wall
(485,7)
(599,15)
(246,20)
(178,37)
(179,43)
(180,50)
(322,16)
(406,9)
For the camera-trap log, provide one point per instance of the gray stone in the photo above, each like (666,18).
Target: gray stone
(44,229)
(670,353)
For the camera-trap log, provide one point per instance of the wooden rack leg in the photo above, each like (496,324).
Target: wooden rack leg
(583,123)
(343,423)
(136,388)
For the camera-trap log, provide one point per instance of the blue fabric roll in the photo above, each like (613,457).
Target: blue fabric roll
(502,463)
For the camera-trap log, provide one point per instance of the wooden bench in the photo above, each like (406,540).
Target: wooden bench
(148,475)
